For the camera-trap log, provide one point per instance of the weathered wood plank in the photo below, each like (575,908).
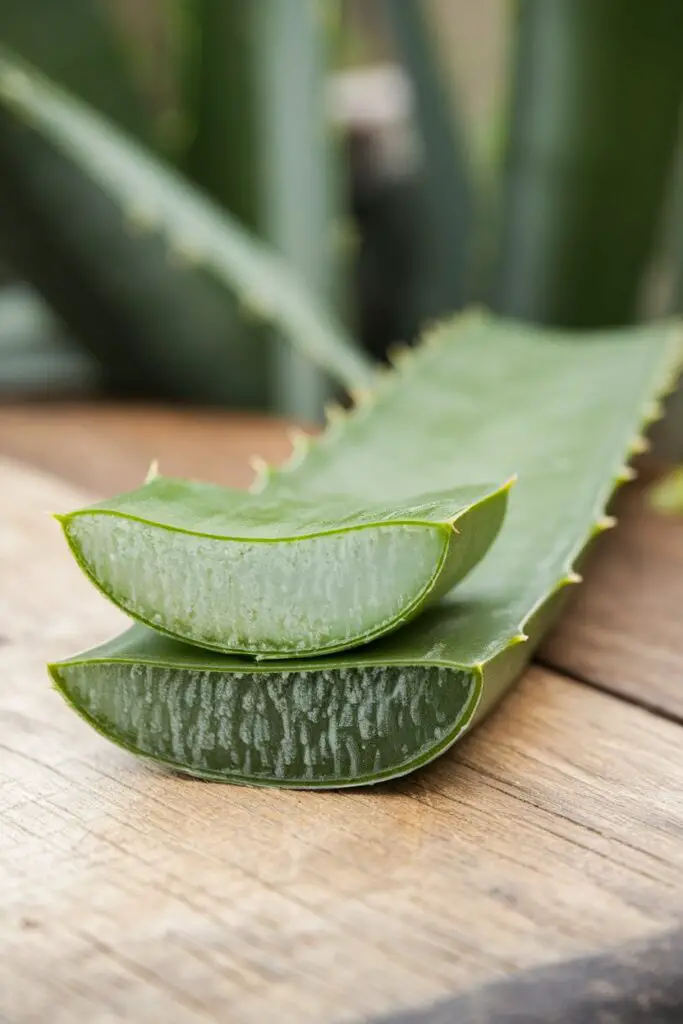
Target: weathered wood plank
(126,892)
(623,629)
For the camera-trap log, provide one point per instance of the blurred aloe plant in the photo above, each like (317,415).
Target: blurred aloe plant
(170,286)
(218,279)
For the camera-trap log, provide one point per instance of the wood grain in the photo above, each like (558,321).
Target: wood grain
(623,629)
(127,893)
(108,448)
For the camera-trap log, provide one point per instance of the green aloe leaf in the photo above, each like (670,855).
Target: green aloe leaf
(80,46)
(278,575)
(151,199)
(448,196)
(581,202)
(485,399)
(257,79)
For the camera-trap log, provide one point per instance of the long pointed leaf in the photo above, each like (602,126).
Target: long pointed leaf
(596,99)
(447,190)
(148,193)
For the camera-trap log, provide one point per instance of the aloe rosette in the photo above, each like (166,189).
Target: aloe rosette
(481,399)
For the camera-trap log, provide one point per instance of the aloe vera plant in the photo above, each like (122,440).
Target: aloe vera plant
(89,193)
(483,399)
(261,147)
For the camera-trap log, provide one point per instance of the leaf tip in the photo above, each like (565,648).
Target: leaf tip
(519,638)
(605,523)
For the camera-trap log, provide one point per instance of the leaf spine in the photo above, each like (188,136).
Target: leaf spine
(153,471)
(640,445)
(362,397)
(139,218)
(263,472)
(185,252)
(253,308)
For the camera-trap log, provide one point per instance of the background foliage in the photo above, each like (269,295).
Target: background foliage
(400,158)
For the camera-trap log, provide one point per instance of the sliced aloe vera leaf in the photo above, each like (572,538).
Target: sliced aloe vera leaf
(494,398)
(279,575)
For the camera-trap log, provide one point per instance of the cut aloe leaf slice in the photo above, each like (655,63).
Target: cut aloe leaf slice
(277,576)
(486,399)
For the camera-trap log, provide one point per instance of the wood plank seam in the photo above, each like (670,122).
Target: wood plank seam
(669,715)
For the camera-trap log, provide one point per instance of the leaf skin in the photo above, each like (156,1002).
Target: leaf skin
(278,576)
(493,397)
(157,201)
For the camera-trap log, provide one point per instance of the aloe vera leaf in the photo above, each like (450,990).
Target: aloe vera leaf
(447,193)
(279,575)
(581,200)
(36,358)
(79,46)
(153,197)
(261,148)
(493,398)
(301,169)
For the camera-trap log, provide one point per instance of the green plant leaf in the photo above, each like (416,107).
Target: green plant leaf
(55,152)
(483,399)
(78,46)
(261,147)
(592,135)
(36,358)
(448,198)
(279,575)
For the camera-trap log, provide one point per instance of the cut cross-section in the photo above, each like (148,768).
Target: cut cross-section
(278,577)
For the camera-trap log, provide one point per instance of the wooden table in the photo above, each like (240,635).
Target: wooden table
(554,831)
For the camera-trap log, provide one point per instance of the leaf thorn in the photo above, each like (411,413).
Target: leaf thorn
(153,471)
